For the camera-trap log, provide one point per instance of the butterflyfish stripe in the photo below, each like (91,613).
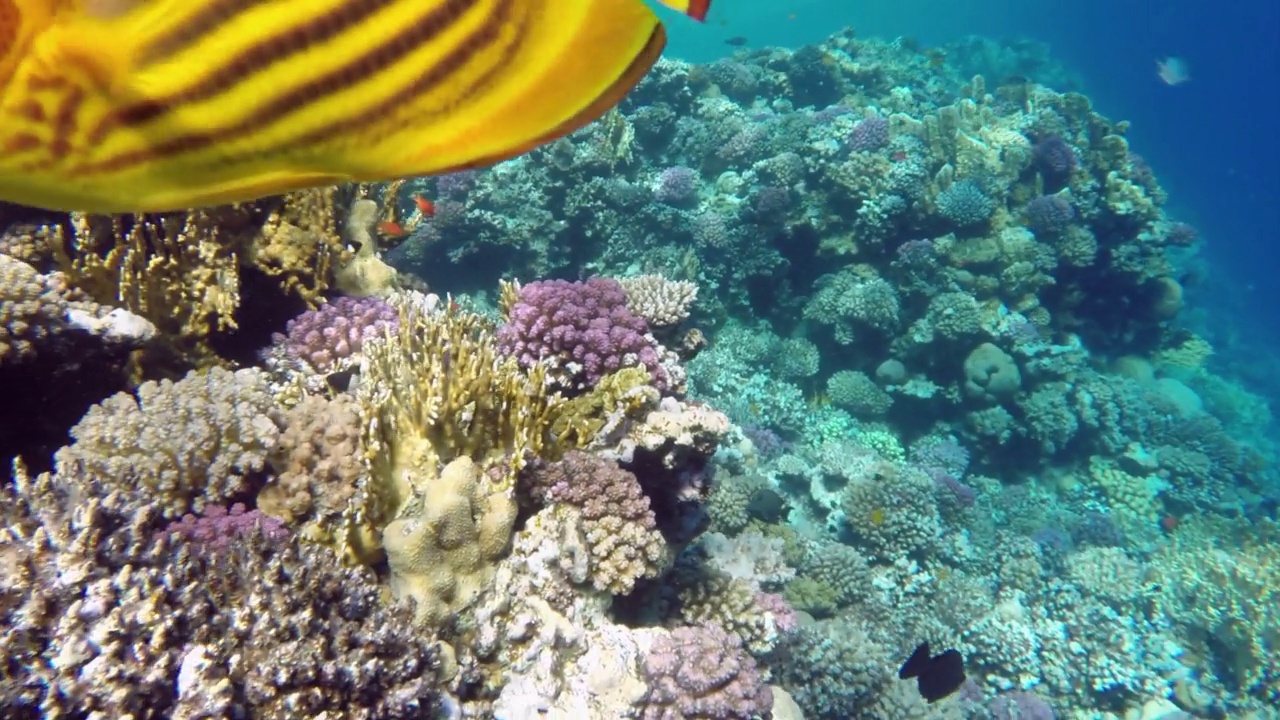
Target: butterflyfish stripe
(191,29)
(383,116)
(377,58)
(390,115)
(64,122)
(255,59)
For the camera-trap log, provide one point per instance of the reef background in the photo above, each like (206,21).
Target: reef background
(1211,140)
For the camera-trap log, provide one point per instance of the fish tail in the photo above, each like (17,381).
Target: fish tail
(696,9)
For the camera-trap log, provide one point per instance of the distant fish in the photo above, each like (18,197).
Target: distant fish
(155,105)
(1173,70)
(936,677)
(736,41)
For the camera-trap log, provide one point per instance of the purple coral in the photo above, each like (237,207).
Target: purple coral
(1055,159)
(702,672)
(594,485)
(869,135)
(330,337)
(676,186)
(584,329)
(1050,214)
(942,453)
(218,527)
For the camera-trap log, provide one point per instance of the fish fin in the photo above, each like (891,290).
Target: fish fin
(696,9)
(589,60)
(916,664)
(255,186)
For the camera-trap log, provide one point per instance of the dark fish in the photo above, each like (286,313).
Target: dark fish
(768,506)
(936,677)
(340,381)
(736,41)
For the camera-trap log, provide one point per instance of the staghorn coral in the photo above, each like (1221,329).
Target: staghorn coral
(142,625)
(178,444)
(183,271)
(448,424)
(660,301)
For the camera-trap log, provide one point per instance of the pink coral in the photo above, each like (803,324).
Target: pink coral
(703,672)
(585,330)
(217,527)
(330,337)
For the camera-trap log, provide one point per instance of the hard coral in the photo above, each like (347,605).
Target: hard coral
(330,338)
(619,528)
(105,617)
(178,444)
(581,330)
(702,672)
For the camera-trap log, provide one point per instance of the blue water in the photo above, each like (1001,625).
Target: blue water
(1213,141)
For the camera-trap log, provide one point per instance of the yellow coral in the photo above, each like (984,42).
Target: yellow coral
(448,423)
(445,545)
(182,271)
(1190,353)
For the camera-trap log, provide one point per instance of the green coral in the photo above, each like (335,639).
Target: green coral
(812,596)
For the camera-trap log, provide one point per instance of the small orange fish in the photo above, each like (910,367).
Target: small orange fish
(392,229)
(425,206)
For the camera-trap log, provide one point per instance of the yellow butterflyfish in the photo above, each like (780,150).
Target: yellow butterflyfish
(155,105)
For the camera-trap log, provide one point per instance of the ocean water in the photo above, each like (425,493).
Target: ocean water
(810,353)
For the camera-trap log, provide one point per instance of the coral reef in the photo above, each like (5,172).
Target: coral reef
(824,352)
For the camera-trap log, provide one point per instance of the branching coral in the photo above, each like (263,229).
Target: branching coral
(105,615)
(619,529)
(183,271)
(178,444)
(702,672)
(449,422)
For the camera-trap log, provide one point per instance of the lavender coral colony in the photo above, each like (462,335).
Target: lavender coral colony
(714,409)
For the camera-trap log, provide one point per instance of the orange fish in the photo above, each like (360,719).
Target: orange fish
(425,206)
(392,229)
